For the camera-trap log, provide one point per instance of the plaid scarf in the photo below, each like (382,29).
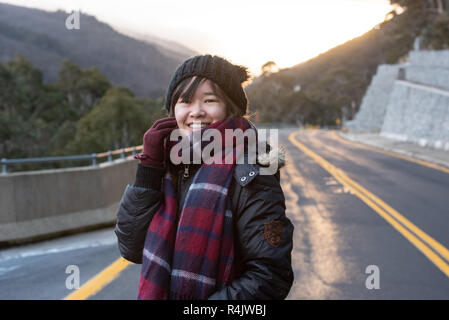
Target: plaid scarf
(194,258)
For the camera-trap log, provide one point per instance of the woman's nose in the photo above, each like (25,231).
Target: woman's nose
(197,110)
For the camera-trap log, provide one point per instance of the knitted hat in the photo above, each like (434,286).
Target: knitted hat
(225,74)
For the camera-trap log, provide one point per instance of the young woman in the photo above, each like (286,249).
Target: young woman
(205,231)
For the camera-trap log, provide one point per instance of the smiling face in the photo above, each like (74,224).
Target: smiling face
(195,110)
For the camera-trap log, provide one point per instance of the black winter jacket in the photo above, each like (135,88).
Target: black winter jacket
(263,234)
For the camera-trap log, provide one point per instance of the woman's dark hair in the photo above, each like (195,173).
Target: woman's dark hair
(186,95)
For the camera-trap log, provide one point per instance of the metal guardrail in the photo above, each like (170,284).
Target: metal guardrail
(93,156)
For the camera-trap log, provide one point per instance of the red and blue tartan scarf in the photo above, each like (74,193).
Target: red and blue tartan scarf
(194,258)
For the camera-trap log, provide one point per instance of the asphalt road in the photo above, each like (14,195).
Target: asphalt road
(352,208)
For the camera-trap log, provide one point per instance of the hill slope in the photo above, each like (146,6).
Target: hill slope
(41,36)
(333,84)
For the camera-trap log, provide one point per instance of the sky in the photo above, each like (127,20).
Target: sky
(249,32)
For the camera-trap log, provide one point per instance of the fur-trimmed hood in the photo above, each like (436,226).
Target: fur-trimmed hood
(273,156)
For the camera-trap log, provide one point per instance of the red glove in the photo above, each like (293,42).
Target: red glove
(153,142)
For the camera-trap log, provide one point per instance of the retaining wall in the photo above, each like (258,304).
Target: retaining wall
(36,204)
(374,104)
(409,102)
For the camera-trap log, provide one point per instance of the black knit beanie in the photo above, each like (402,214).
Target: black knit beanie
(225,74)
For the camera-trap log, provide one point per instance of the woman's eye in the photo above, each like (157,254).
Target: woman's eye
(210,100)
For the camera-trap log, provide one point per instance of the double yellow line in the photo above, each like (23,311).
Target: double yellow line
(431,248)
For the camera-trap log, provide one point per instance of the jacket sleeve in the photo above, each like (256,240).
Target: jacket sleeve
(267,271)
(137,207)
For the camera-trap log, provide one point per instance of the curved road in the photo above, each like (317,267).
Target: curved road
(368,225)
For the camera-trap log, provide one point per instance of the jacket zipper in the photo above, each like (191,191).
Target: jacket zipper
(186,172)
(185,175)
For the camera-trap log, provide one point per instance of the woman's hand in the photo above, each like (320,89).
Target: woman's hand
(153,142)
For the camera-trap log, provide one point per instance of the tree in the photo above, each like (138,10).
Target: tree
(119,120)
(20,95)
(269,68)
(82,88)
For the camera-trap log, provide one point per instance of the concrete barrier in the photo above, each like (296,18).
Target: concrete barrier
(41,204)
(414,106)
(374,104)
(419,114)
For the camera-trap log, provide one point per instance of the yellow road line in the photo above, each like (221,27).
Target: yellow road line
(95,284)
(385,211)
(394,154)
(426,238)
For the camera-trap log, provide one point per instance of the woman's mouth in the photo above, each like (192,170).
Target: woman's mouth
(198,125)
